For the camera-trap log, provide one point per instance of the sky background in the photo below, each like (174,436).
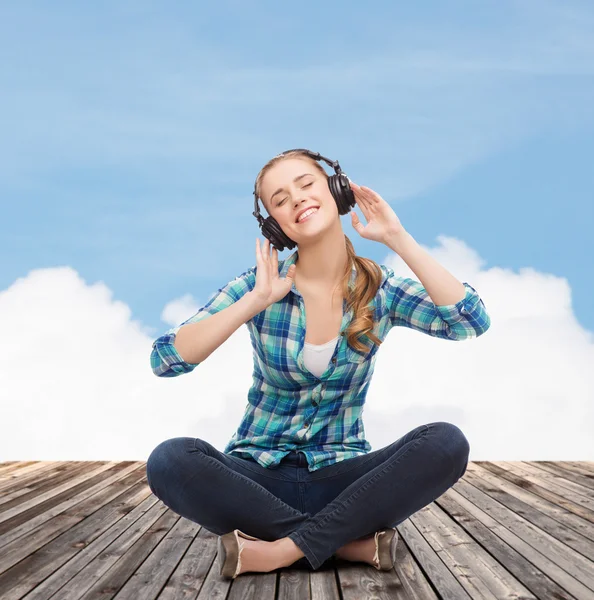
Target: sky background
(131,135)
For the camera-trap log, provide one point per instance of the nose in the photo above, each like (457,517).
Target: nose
(298,203)
(300,199)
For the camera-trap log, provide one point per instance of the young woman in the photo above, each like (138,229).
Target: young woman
(298,484)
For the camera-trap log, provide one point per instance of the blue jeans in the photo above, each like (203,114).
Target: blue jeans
(320,511)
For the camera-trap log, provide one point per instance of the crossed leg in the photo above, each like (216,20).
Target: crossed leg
(190,477)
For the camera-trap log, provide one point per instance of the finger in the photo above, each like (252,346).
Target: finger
(370,195)
(371,206)
(361,198)
(364,207)
(274,261)
(266,250)
(259,256)
(364,195)
(262,264)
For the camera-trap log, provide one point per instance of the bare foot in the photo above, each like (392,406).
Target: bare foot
(257,556)
(262,557)
(358,551)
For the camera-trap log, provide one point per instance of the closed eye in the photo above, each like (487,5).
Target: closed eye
(307,185)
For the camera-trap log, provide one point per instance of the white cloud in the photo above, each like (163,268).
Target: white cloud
(522,391)
(179,310)
(76,380)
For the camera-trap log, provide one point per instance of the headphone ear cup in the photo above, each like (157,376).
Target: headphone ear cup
(342,193)
(273,232)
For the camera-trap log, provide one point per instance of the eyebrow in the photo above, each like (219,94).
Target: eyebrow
(294,181)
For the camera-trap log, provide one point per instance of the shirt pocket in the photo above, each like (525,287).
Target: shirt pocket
(354,356)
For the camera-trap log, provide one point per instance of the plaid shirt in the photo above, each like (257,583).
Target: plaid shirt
(290,408)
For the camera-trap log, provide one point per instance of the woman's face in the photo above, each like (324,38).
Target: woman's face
(289,187)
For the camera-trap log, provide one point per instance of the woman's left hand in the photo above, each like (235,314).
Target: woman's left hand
(382,222)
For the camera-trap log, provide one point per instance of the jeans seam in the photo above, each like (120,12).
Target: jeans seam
(229,471)
(369,457)
(343,471)
(365,486)
(245,463)
(304,545)
(251,468)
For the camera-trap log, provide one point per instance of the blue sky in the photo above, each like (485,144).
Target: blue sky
(132,133)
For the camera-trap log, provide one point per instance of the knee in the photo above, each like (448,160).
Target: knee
(205,447)
(164,461)
(456,445)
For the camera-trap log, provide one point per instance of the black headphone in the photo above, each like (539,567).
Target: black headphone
(339,188)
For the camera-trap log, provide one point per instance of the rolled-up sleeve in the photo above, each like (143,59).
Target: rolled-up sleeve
(165,359)
(411,306)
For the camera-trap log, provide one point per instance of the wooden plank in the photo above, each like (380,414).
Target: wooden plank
(553,536)
(37,479)
(16,477)
(187,581)
(518,557)
(257,585)
(583,464)
(83,570)
(21,489)
(568,568)
(565,472)
(44,489)
(214,586)
(506,472)
(541,512)
(561,485)
(323,585)
(249,585)
(433,568)
(577,468)
(29,520)
(410,576)
(150,577)
(294,583)
(38,473)
(51,497)
(358,581)
(478,572)
(49,469)
(505,529)
(113,580)
(34,557)
(10,466)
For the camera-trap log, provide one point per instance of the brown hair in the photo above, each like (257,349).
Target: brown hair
(368,277)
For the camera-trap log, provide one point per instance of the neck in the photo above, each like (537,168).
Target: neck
(321,263)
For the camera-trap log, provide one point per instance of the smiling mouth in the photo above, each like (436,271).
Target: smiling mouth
(308,217)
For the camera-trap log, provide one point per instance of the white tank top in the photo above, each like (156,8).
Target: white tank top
(317,356)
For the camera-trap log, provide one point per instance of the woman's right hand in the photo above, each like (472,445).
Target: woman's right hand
(270,288)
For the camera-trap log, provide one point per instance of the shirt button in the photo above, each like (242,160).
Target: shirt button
(334,360)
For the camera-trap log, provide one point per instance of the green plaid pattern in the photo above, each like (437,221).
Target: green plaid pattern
(290,408)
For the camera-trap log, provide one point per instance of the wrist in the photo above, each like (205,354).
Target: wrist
(256,301)
(396,240)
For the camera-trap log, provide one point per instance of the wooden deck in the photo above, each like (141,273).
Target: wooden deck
(94,530)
